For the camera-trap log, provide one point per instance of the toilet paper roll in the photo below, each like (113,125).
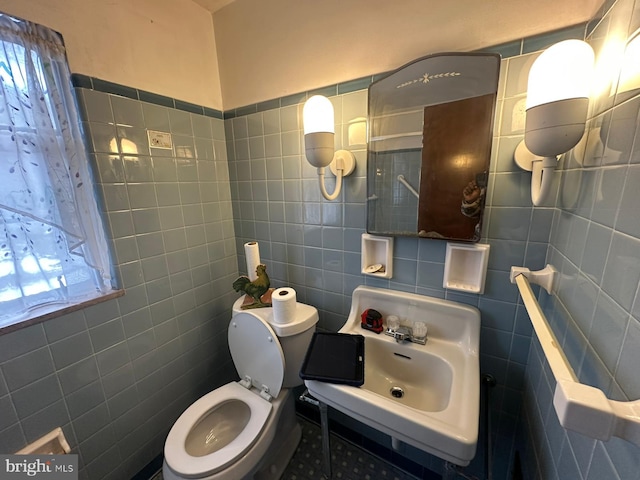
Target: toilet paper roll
(284,305)
(252,253)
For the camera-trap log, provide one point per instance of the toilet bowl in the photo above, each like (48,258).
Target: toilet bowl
(245,429)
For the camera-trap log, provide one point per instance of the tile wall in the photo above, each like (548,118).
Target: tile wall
(595,243)
(313,245)
(116,375)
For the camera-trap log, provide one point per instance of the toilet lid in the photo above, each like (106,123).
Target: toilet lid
(256,352)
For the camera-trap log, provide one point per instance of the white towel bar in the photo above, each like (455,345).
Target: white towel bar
(581,408)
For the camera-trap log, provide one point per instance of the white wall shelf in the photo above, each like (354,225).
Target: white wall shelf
(377,256)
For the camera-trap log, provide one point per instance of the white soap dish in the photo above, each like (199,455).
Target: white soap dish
(465,267)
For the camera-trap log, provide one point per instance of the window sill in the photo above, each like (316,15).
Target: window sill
(53,311)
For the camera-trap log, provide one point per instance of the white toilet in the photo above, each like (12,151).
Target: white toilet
(246,429)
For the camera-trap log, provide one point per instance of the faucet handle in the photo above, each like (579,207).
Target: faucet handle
(419,329)
(393,322)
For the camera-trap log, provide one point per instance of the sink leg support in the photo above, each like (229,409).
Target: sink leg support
(450,471)
(326,440)
(324,427)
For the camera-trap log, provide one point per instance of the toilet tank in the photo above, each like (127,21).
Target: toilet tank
(294,337)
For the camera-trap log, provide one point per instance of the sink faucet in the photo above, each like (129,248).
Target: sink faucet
(417,334)
(402,334)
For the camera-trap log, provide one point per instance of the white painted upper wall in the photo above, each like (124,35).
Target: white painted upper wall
(161,46)
(269,49)
(272,48)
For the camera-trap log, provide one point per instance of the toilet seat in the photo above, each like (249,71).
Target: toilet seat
(191,466)
(259,360)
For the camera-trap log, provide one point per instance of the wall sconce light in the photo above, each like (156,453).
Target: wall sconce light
(318,124)
(556,111)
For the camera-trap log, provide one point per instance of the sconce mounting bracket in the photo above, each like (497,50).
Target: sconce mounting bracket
(524,158)
(348,163)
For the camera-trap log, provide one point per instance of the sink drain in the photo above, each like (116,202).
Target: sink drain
(397,392)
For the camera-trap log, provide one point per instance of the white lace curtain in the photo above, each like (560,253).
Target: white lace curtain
(53,248)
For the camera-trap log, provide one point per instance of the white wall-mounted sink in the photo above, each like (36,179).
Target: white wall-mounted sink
(440,381)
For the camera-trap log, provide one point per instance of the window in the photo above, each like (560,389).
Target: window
(53,248)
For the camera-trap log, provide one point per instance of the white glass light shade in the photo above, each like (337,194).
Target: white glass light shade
(561,72)
(630,73)
(317,115)
(557,104)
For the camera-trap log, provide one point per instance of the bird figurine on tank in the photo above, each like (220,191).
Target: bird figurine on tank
(257,292)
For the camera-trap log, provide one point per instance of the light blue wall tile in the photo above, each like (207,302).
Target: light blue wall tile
(627,220)
(582,303)
(28,368)
(141,195)
(36,396)
(103,138)
(71,350)
(291,143)
(78,375)
(430,274)
(627,372)
(510,253)
(201,126)
(97,106)
(156,117)
(503,159)
(509,223)
(621,133)
(623,455)
(85,399)
(184,148)
(577,239)
(126,249)
(608,330)
(405,271)
(255,127)
(110,168)
(113,358)
(146,220)
(498,287)
(498,315)
(496,341)
(9,416)
(126,111)
(512,190)
(106,335)
(92,422)
(64,326)
(91,448)
(46,420)
(607,195)
(138,169)
(621,274)
(180,122)
(601,466)
(518,74)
